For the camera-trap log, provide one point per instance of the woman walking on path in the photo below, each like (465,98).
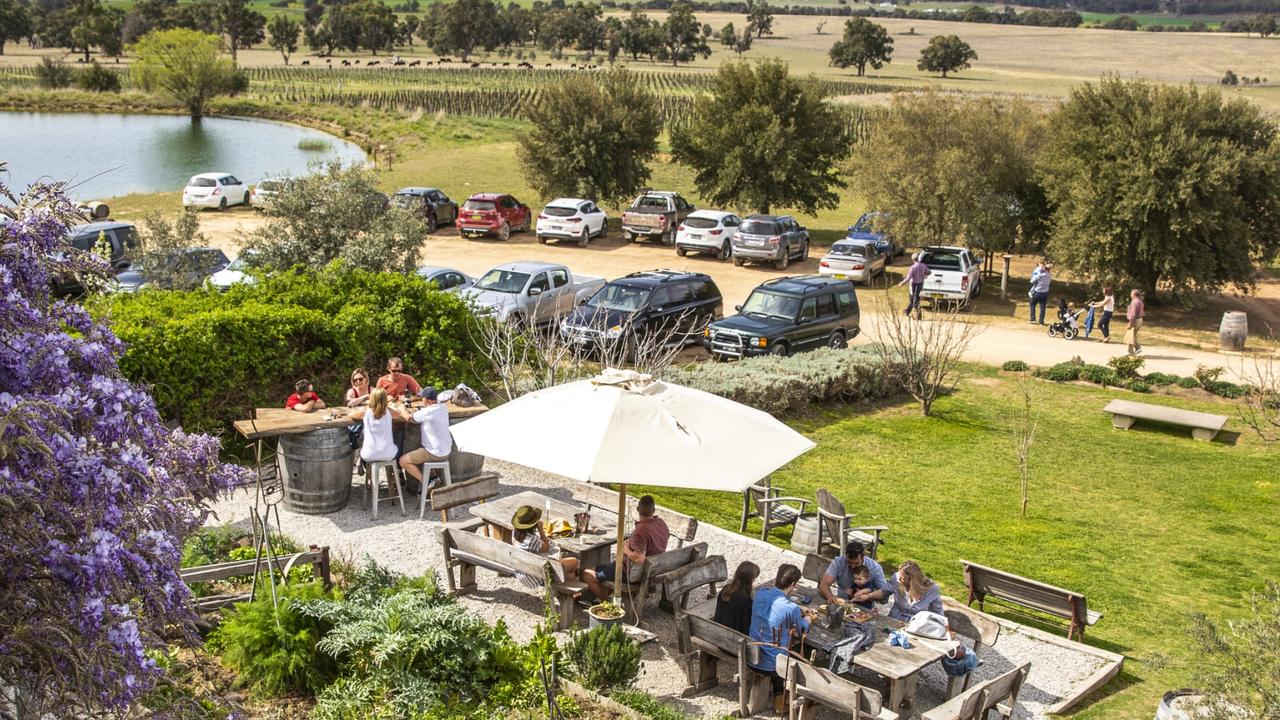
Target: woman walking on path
(1108,306)
(1134,315)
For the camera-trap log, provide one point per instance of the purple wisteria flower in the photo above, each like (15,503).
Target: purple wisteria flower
(96,493)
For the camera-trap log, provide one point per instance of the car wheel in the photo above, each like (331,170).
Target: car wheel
(804,252)
(681,251)
(726,250)
(837,341)
(584,238)
(780,350)
(431,224)
(669,238)
(222,204)
(504,231)
(737,261)
(248,199)
(542,239)
(782,262)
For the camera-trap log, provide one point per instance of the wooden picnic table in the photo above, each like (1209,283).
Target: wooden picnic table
(272,422)
(591,549)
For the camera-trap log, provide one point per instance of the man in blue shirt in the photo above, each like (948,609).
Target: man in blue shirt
(1040,279)
(775,622)
(840,573)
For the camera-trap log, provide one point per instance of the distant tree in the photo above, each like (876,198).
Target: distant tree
(760,17)
(613,38)
(592,137)
(946,53)
(84,24)
(1173,188)
(764,139)
(1123,22)
(818,26)
(864,43)
(977,14)
(185,65)
(283,35)
(744,42)
(145,16)
(641,35)
(515,25)
(1230,78)
(201,15)
(377,23)
(728,35)
(242,25)
(15,22)
(406,30)
(163,258)
(682,38)
(1263,24)
(460,27)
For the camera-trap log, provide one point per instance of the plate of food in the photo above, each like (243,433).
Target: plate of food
(858,615)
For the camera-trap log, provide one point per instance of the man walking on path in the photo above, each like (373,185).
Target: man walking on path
(1039,294)
(916,276)
(1134,314)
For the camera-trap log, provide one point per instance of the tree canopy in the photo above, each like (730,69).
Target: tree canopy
(15,22)
(460,26)
(682,36)
(1170,187)
(864,43)
(283,35)
(759,17)
(186,66)
(946,54)
(764,139)
(240,23)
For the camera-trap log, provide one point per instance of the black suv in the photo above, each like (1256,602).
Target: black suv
(670,304)
(122,238)
(435,206)
(788,315)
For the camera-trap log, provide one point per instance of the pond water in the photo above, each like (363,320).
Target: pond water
(106,155)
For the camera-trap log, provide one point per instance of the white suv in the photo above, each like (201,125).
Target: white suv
(571,219)
(707,231)
(214,190)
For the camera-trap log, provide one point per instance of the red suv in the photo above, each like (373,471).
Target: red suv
(493,214)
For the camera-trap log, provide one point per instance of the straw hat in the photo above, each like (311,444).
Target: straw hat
(526,517)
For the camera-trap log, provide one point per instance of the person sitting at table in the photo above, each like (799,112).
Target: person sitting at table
(915,592)
(840,573)
(377,445)
(304,398)
(358,393)
(528,534)
(777,622)
(862,582)
(733,604)
(433,420)
(648,538)
(397,382)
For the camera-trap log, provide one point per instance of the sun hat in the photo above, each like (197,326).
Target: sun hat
(526,517)
(427,393)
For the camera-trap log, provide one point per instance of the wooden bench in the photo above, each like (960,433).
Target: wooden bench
(984,582)
(704,643)
(654,572)
(680,582)
(999,693)
(475,490)
(809,685)
(466,551)
(282,564)
(1204,426)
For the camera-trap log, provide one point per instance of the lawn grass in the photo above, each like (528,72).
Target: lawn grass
(1148,523)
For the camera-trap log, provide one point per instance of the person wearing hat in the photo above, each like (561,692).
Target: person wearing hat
(527,533)
(433,422)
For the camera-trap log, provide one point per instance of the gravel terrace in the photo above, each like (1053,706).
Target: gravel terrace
(408,545)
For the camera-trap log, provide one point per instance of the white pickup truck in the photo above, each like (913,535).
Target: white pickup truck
(530,293)
(955,274)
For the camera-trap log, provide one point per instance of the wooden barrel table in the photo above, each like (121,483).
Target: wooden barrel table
(316,468)
(1233,331)
(462,465)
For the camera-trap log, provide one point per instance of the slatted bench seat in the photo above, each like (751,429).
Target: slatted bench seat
(466,551)
(1204,426)
(999,694)
(704,643)
(809,685)
(984,582)
(653,574)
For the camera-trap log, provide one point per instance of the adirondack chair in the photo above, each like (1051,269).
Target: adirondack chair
(835,527)
(764,501)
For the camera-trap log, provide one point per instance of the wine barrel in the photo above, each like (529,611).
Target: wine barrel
(1233,331)
(316,467)
(804,539)
(1178,705)
(464,465)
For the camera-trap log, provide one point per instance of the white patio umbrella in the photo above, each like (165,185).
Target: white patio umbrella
(623,428)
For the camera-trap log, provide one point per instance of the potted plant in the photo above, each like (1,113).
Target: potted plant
(605,613)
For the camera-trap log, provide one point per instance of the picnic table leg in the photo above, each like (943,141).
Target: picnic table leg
(566,610)
(1203,434)
(901,693)
(1123,422)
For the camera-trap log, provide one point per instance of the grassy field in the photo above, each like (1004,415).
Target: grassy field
(1149,524)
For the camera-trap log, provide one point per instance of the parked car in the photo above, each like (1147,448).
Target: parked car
(655,214)
(571,219)
(707,231)
(121,238)
(532,293)
(493,214)
(788,315)
(669,305)
(187,268)
(263,195)
(436,207)
(447,279)
(955,274)
(235,273)
(873,226)
(770,238)
(854,260)
(214,190)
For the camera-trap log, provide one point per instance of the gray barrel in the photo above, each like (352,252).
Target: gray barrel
(1178,705)
(1233,331)
(316,470)
(804,539)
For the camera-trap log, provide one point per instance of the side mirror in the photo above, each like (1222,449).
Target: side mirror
(737,308)
(534,292)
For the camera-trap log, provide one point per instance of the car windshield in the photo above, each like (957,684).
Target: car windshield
(701,223)
(868,223)
(771,304)
(504,281)
(759,227)
(406,200)
(559,211)
(478,205)
(849,250)
(202,182)
(623,298)
(240,264)
(942,261)
(652,202)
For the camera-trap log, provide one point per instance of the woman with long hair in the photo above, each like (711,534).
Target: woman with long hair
(1108,306)
(358,393)
(378,445)
(733,604)
(913,592)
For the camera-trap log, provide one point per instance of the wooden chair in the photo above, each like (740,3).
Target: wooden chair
(703,643)
(762,500)
(999,694)
(835,527)
(979,627)
(654,572)
(680,582)
(815,566)
(475,490)
(809,685)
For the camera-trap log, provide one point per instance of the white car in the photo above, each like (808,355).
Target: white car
(707,231)
(214,190)
(234,274)
(854,260)
(447,279)
(263,194)
(571,219)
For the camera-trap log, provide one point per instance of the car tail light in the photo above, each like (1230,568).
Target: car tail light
(859,267)
(680,229)
(964,283)
(714,232)
(663,218)
(775,239)
(541,216)
(575,219)
(824,263)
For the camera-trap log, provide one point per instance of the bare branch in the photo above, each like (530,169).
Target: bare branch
(928,351)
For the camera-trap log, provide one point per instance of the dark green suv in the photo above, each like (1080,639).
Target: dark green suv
(788,315)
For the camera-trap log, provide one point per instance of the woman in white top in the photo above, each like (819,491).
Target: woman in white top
(377,418)
(1108,306)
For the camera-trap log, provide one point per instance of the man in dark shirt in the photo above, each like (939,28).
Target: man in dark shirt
(649,537)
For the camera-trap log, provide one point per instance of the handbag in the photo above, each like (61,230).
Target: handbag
(1130,335)
(929,625)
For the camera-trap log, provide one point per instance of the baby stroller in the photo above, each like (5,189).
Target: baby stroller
(1068,325)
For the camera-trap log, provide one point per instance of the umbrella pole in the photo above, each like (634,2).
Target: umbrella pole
(622,526)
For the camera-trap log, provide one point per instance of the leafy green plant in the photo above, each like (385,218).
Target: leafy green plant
(1207,376)
(54,74)
(96,78)
(210,545)
(1159,378)
(1063,372)
(314,144)
(1099,374)
(650,706)
(1014,366)
(603,658)
(1126,366)
(608,609)
(1226,389)
(372,582)
(1188,383)
(300,574)
(1138,386)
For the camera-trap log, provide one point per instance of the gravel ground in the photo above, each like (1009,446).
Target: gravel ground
(408,545)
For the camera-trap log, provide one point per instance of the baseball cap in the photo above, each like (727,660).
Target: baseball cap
(427,393)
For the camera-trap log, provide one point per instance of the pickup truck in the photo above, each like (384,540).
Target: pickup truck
(655,215)
(954,274)
(530,293)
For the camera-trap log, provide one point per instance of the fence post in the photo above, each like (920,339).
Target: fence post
(1004,277)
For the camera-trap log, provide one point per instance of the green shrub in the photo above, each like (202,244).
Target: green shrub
(1063,372)
(299,574)
(1159,378)
(54,74)
(1189,383)
(604,658)
(96,78)
(212,357)
(1099,375)
(1014,366)
(1225,389)
(372,582)
(1126,366)
(650,706)
(1207,376)
(213,544)
(276,651)
(788,384)
(1138,386)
